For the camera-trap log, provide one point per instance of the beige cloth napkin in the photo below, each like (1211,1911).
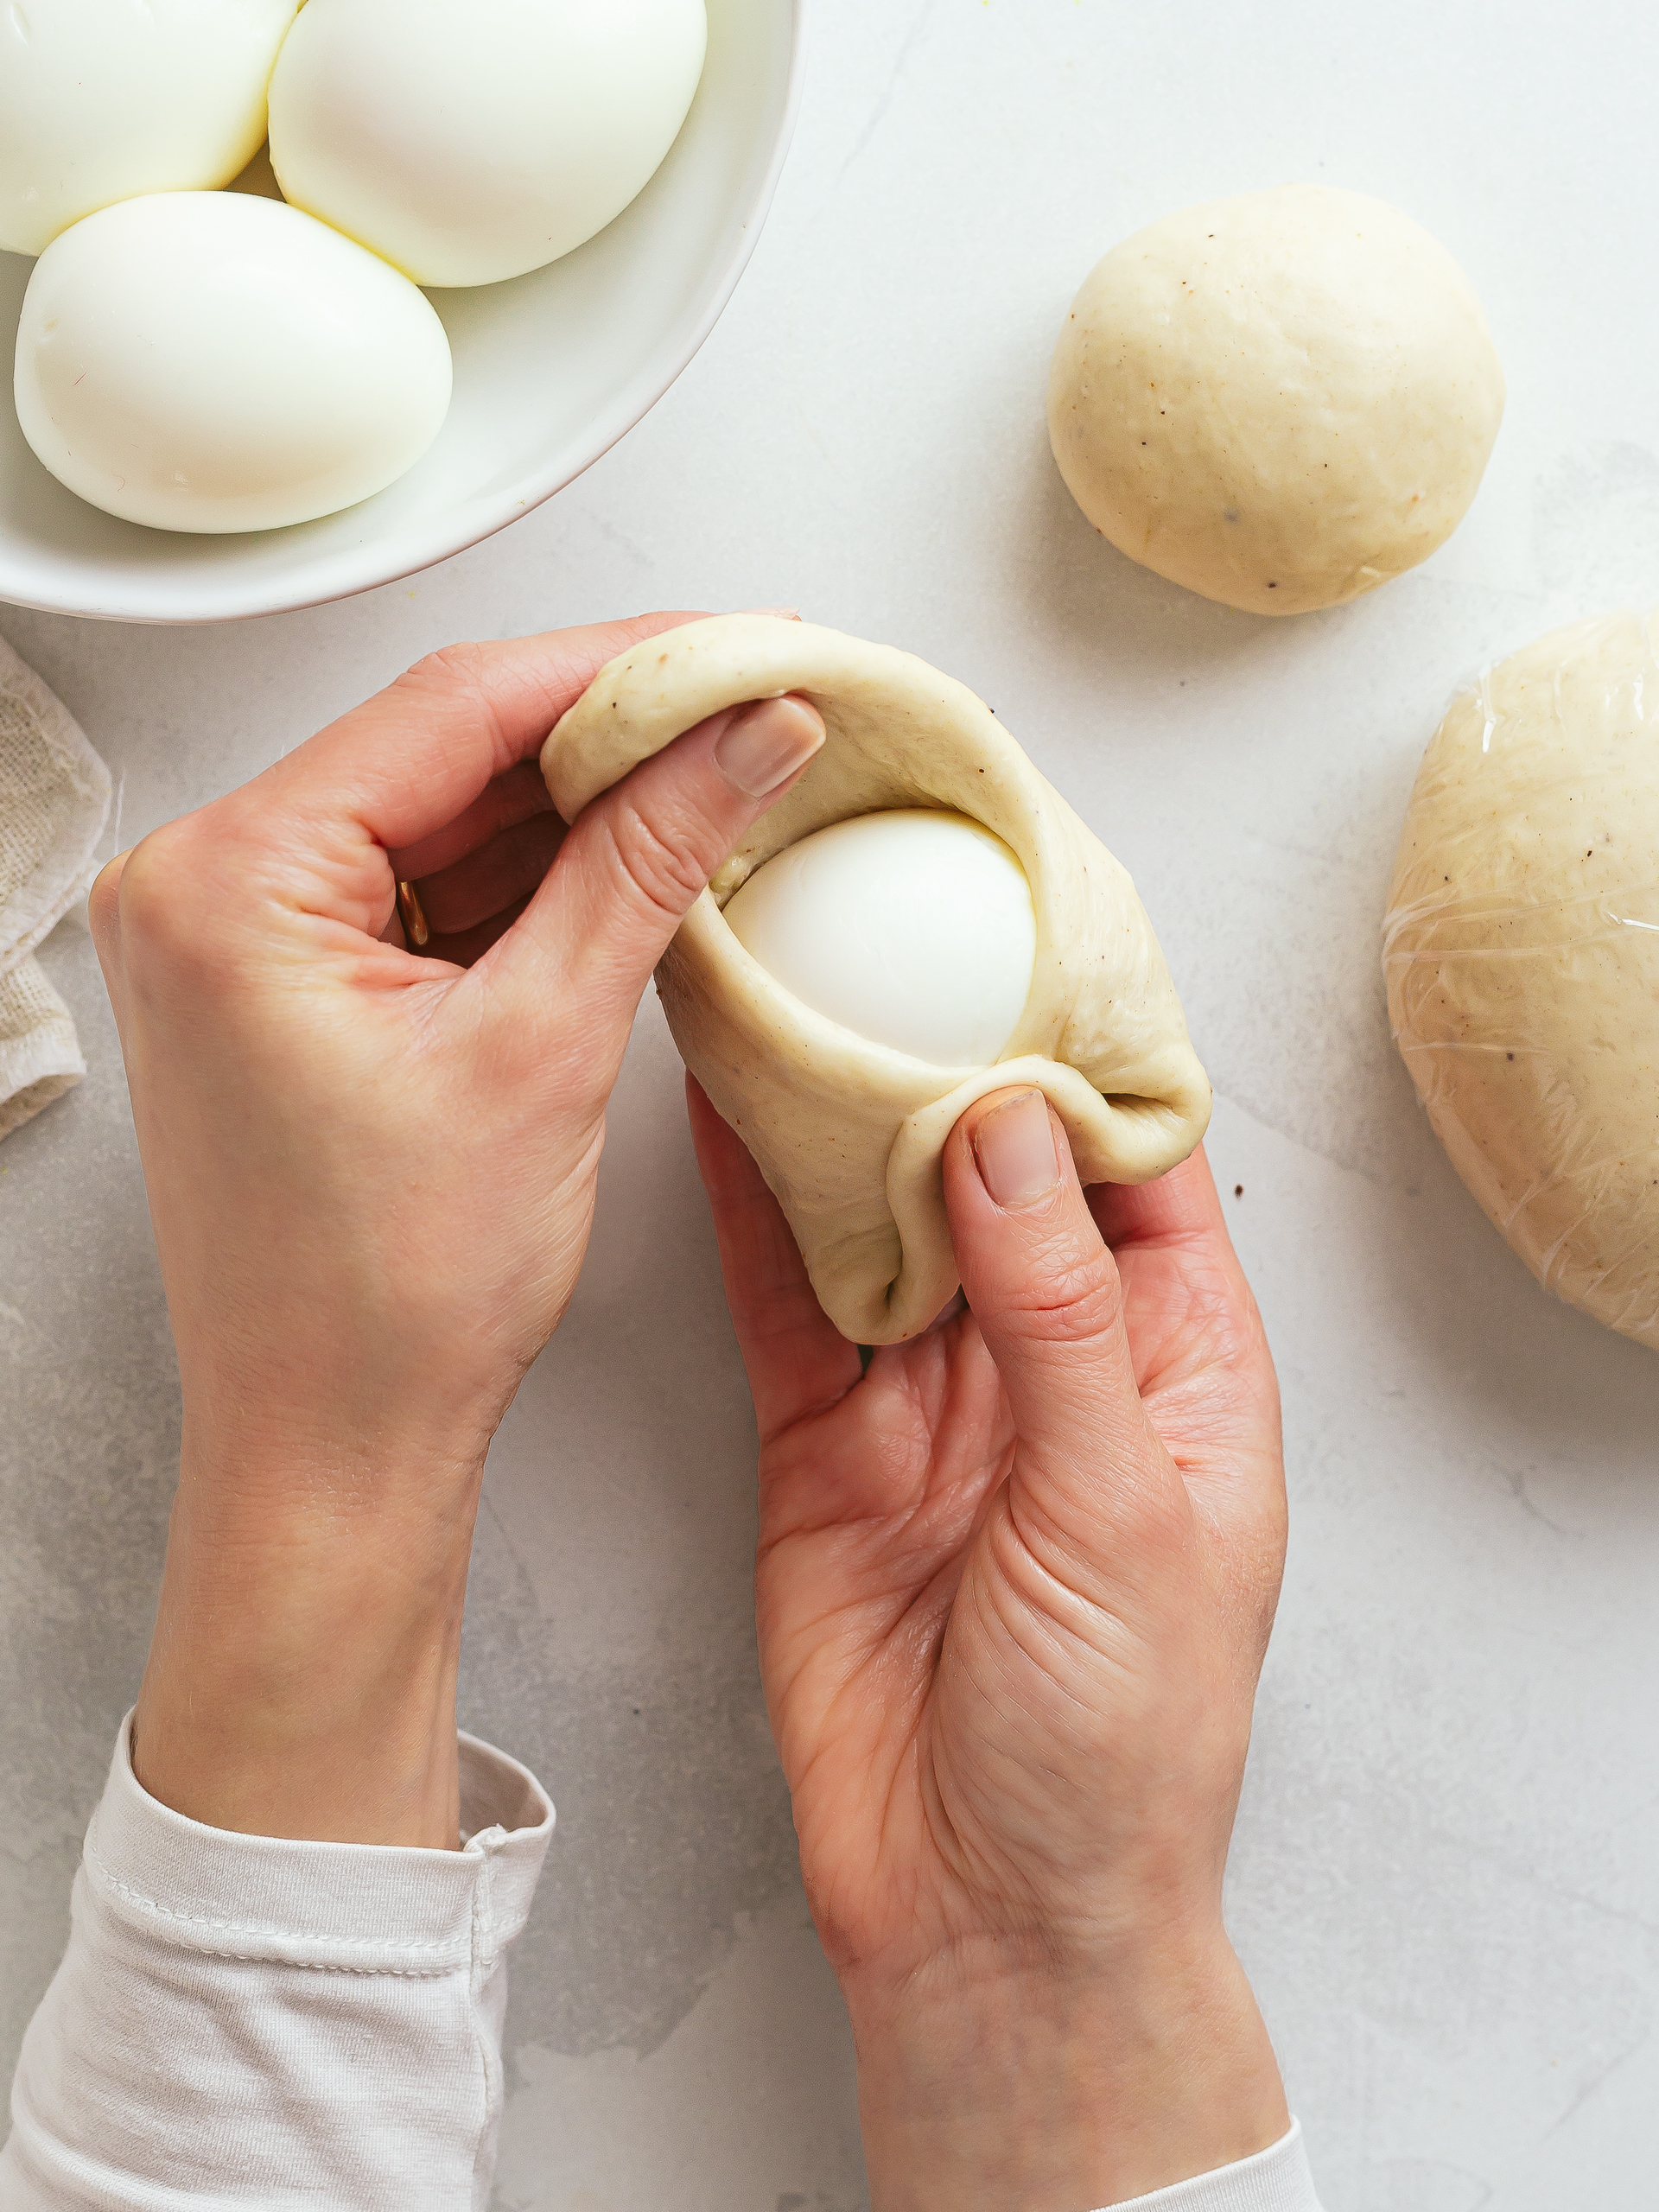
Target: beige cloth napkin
(54,800)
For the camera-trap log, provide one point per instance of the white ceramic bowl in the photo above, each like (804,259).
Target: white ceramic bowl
(550,369)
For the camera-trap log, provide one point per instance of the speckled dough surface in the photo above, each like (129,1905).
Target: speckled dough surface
(849,1134)
(1521,952)
(1278,400)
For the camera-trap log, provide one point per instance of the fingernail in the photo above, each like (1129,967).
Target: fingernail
(1014,1147)
(766,742)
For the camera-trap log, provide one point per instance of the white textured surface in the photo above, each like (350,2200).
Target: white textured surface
(1448,1875)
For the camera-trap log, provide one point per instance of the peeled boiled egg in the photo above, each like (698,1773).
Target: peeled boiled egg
(915,928)
(472,140)
(211,361)
(103,100)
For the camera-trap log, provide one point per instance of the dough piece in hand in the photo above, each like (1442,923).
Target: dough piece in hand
(1522,953)
(1278,400)
(849,1134)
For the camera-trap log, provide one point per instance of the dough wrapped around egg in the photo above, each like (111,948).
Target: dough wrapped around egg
(849,1133)
(1522,954)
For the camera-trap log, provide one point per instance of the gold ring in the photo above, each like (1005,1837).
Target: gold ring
(413,914)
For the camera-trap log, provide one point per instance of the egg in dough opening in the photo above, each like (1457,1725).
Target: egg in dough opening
(914,928)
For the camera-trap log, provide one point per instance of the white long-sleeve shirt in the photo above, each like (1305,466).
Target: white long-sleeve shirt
(243,2021)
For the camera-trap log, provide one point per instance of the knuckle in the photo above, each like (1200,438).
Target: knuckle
(659,872)
(104,920)
(459,667)
(103,901)
(169,903)
(463,673)
(1070,1297)
(148,898)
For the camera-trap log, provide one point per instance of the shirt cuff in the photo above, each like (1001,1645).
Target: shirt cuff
(381,1908)
(275,2021)
(1275,2180)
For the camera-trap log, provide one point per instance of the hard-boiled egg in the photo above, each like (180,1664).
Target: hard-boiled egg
(210,361)
(472,140)
(103,99)
(914,928)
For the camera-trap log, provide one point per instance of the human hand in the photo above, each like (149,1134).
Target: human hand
(370,1174)
(1014,1587)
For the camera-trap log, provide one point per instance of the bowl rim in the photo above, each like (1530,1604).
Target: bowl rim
(474,520)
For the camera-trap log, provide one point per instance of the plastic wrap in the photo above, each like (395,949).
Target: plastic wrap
(1522,955)
(849,1134)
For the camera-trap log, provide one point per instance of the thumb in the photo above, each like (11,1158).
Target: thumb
(1045,1291)
(640,853)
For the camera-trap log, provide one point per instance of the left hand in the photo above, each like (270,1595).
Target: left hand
(1014,1587)
(370,1173)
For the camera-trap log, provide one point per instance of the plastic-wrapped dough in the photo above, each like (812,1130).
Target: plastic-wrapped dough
(849,1134)
(1522,953)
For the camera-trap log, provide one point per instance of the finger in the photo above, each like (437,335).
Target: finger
(402,767)
(1184,1287)
(1201,1358)
(502,872)
(797,1360)
(1181,1207)
(1045,1294)
(643,851)
(522,791)
(502,804)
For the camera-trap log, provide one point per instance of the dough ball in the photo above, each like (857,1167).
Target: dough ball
(1522,953)
(1280,400)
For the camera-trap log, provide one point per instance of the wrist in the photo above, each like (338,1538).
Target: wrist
(1044,2088)
(301,1678)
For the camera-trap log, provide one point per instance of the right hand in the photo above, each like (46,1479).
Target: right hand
(1014,1588)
